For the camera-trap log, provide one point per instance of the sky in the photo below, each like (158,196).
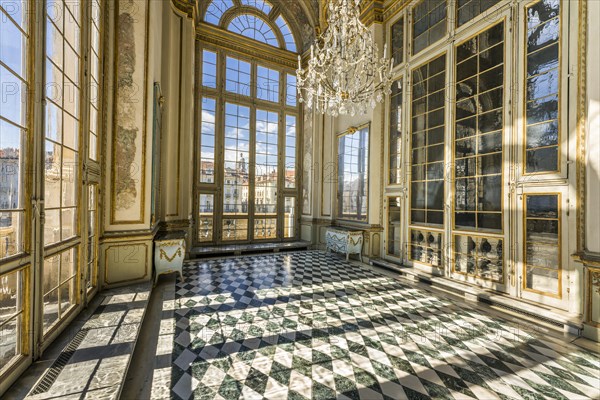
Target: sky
(12,45)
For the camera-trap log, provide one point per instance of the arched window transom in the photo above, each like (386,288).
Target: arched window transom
(253,28)
(253,19)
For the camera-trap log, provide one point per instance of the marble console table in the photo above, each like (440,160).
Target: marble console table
(344,241)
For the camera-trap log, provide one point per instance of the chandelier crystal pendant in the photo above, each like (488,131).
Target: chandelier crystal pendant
(345,74)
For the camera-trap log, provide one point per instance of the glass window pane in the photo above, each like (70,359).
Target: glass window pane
(11,317)
(395,135)
(291,91)
(265,228)
(252,177)
(236,169)
(266,167)
(94,85)
(51,311)
(237,76)
(288,38)
(93,227)
(215,10)
(542,243)
(425,247)
(62,122)
(478,133)
(289,217)
(479,256)
(429,24)
(206,218)
(542,88)
(427,144)
(290,151)
(397,33)
(13,45)
(58,285)
(353,169)
(19,10)
(209,68)
(267,84)
(235,229)
(253,27)
(394,243)
(14,97)
(207,141)
(468,10)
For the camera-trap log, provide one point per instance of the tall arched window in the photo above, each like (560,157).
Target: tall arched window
(247,128)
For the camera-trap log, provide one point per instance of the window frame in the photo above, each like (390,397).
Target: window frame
(27,80)
(430,45)
(254,103)
(268,16)
(340,216)
(514,134)
(562,115)
(504,133)
(560,267)
(402,137)
(409,127)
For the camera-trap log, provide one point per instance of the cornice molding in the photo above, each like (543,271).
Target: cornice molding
(372,12)
(133,234)
(207,33)
(187,7)
(393,8)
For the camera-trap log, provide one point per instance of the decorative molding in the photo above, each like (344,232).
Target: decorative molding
(187,7)
(126,258)
(392,9)
(176,225)
(581,126)
(207,33)
(118,51)
(230,14)
(140,233)
(587,259)
(595,280)
(593,283)
(163,254)
(179,118)
(372,12)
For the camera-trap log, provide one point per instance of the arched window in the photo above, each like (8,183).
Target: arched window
(253,19)
(215,10)
(262,5)
(253,28)
(290,44)
(248,128)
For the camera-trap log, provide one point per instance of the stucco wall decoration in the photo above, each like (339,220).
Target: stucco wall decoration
(296,15)
(307,165)
(129,131)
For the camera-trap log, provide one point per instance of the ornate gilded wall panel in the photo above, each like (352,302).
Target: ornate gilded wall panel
(130,109)
(127,260)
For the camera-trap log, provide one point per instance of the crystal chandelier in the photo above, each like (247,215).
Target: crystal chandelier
(344,74)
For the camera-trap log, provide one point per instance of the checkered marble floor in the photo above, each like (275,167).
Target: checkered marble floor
(309,325)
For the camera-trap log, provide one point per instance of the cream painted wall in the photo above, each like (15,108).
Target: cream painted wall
(326,148)
(126,249)
(376,137)
(178,133)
